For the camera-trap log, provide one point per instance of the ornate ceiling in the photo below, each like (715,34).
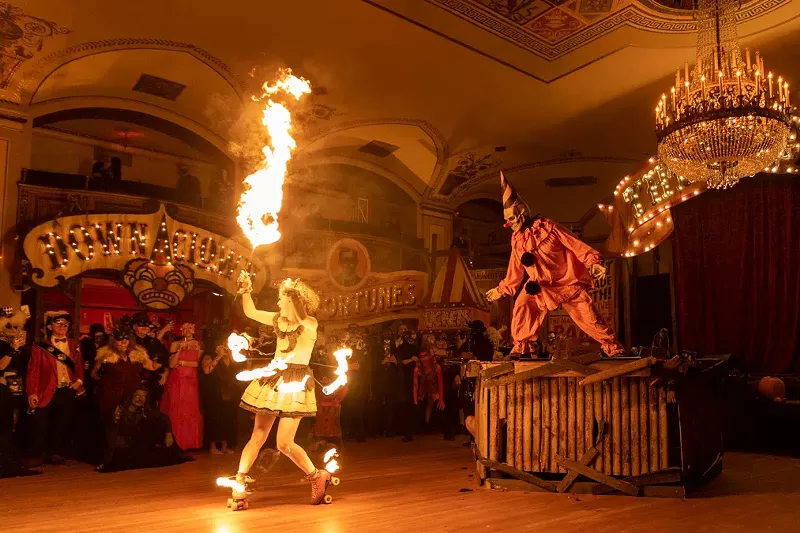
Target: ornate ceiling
(457,89)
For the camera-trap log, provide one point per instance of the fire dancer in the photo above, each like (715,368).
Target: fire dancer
(288,395)
(561,270)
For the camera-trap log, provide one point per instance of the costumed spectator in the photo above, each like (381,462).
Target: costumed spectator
(358,373)
(327,424)
(388,382)
(12,368)
(139,437)
(428,382)
(406,351)
(53,383)
(143,330)
(12,389)
(477,345)
(181,399)
(89,422)
(119,368)
(220,399)
(561,270)
(96,339)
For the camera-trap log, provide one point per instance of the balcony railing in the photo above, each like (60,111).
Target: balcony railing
(134,188)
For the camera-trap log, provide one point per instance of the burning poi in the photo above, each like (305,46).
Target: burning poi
(284,389)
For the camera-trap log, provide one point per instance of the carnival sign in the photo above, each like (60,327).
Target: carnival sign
(381,295)
(455,318)
(160,258)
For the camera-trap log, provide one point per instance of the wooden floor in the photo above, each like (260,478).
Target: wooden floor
(386,486)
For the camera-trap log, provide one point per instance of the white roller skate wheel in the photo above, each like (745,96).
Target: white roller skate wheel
(328,498)
(229,503)
(335,481)
(245,506)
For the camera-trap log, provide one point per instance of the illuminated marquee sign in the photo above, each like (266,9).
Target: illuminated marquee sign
(159,256)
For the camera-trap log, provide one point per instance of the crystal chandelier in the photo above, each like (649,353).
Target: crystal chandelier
(729,118)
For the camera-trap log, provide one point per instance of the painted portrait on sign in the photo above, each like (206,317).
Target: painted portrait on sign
(348,263)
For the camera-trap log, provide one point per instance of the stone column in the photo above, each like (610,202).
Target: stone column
(16,133)
(437,231)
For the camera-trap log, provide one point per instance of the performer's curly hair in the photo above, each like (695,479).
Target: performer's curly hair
(308,296)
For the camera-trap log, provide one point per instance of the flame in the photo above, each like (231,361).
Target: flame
(230,483)
(293,386)
(330,453)
(261,200)
(341,356)
(331,464)
(238,344)
(271,369)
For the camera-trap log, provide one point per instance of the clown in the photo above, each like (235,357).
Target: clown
(561,270)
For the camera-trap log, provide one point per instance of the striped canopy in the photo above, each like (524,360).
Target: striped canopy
(454,286)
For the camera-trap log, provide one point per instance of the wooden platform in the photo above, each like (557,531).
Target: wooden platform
(386,486)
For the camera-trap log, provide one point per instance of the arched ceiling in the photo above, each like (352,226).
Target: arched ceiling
(461,88)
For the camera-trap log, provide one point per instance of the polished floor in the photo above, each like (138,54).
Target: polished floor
(422,486)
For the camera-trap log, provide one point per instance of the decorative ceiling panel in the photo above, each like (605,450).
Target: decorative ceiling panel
(553,28)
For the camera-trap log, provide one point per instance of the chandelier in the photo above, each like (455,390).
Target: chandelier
(727,119)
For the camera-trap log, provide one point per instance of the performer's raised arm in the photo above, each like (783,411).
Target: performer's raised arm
(585,253)
(249,308)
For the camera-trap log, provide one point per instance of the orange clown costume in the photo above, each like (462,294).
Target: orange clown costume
(560,269)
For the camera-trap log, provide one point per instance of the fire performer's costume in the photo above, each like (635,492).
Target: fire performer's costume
(265,396)
(287,395)
(560,269)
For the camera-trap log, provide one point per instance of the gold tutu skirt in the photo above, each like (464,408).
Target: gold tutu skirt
(263,397)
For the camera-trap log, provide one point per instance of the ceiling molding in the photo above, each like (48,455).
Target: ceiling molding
(26,88)
(462,192)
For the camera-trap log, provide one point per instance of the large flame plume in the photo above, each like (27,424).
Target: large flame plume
(261,200)
(238,344)
(341,355)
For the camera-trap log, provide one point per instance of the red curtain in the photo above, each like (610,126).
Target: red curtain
(737,273)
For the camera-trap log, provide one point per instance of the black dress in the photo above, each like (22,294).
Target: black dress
(137,439)
(218,393)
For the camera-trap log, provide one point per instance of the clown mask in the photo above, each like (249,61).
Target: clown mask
(515,216)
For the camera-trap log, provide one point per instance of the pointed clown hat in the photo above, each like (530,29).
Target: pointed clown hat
(511,197)
(510,194)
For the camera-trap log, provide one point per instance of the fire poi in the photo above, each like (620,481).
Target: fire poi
(284,389)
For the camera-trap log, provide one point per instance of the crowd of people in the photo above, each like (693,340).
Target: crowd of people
(138,395)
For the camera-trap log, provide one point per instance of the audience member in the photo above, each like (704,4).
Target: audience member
(220,400)
(181,399)
(119,369)
(54,380)
(139,437)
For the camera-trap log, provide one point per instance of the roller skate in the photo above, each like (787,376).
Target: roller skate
(240,486)
(320,479)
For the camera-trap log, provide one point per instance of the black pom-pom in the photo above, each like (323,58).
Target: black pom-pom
(532,288)
(526,259)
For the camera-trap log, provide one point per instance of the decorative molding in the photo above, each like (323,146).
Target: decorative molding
(25,89)
(23,36)
(439,141)
(468,166)
(462,190)
(550,41)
